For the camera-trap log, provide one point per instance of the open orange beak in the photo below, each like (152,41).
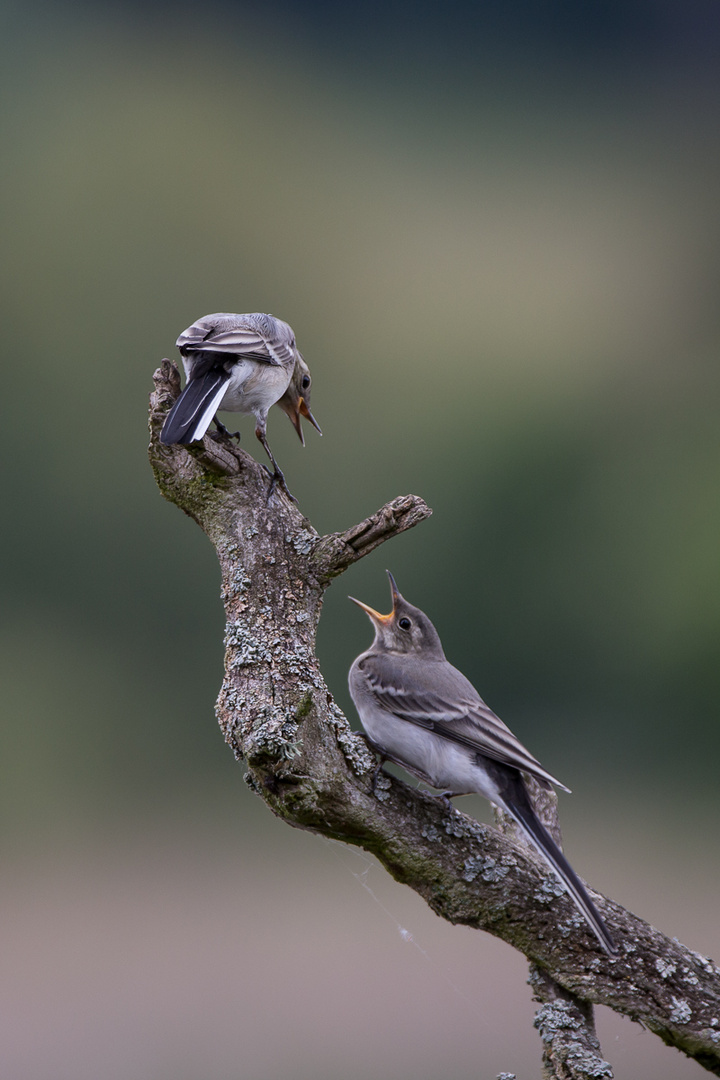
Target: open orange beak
(374,615)
(294,414)
(302,406)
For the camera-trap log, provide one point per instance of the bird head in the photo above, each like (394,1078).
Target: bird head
(296,399)
(406,629)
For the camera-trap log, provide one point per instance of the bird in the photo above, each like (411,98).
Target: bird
(423,714)
(241,363)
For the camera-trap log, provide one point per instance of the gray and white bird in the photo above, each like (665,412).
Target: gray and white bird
(422,713)
(241,363)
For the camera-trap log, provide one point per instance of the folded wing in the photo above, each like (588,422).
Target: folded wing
(255,336)
(439,698)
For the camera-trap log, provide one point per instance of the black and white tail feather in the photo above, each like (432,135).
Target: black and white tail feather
(194,410)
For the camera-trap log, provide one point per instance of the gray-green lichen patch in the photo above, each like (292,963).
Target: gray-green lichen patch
(588,1064)
(705,962)
(463,827)
(304,540)
(273,733)
(569,1041)
(235,584)
(488,868)
(568,928)
(549,889)
(243,647)
(680,1012)
(232,701)
(556,1016)
(382,787)
(354,748)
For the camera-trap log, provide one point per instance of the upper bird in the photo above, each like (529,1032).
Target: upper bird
(422,713)
(242,363)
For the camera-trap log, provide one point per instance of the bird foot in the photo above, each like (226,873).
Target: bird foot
(443,797)
(225,431)
(278,480)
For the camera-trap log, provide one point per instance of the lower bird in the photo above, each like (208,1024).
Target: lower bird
(241,363)
(422,713)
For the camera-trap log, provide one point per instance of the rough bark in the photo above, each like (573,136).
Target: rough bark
(314,772)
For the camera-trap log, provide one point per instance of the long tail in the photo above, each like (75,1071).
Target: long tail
(517,802)
(192,413)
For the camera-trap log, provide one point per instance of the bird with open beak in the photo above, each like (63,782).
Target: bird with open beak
(240,363)
(423,714)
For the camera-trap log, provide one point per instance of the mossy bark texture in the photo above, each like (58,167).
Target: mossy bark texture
(314,772)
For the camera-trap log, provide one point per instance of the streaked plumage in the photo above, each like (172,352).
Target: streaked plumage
(422,713)
(241,363)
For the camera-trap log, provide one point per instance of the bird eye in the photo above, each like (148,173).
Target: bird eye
(404,624)
(305,382)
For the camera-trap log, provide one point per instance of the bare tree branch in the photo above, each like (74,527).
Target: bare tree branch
(314,772)
(571,1050)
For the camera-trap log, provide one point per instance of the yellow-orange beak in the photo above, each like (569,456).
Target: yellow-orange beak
(295,411)
(373,614)
(302,406)
(377,618)
(294,416)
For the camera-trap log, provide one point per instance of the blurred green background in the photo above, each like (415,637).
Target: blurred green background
(495,232)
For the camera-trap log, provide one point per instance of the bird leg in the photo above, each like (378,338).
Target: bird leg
(224,431)
(276,477)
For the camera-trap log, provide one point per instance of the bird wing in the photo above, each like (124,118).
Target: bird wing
(254,337)
(436,696)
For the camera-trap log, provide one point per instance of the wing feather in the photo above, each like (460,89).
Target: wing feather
(438,697)
(256,336)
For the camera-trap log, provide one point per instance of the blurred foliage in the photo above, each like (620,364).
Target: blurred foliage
(504,280)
